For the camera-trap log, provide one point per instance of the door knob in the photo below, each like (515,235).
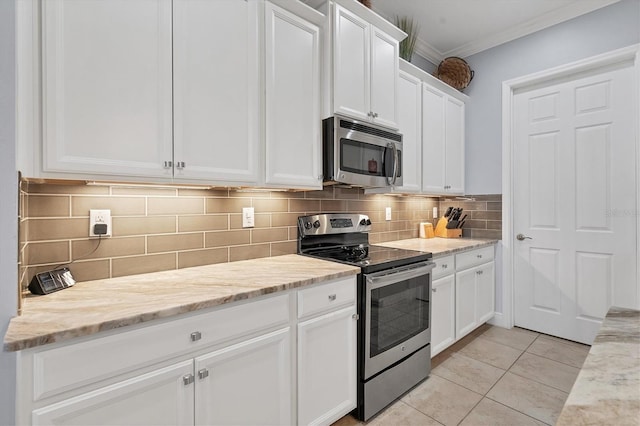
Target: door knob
(522,237)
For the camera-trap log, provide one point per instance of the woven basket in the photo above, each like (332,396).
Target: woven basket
(455,72)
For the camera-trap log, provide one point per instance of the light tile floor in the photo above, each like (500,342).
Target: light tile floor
(493,376)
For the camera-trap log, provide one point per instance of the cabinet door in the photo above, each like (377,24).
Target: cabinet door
(160,397)
(216,90)
(443,308)
(327,367)
(248,383)
(384,78)
(485,276)
(454,146)
(410,123)
(107,87)
(465,302)
(351,65)
(433,129)
(292,74)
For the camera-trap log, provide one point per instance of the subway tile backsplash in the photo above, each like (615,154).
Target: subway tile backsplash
(156,229)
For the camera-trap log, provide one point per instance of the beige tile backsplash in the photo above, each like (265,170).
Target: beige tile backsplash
(157,229)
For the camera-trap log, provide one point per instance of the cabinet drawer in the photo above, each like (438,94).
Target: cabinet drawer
(474,257)
(74,365)
(444,266)
(326,297)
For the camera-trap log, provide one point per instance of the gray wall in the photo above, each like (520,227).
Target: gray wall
(423,63)
(598,32)
(9,205)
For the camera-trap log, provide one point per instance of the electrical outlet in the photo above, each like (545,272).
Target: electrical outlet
(99,217)
(387,213)
(248,220)
(435,212)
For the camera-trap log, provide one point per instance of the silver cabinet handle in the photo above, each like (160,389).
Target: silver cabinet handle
(445,266)
(479,272)
(188,379)
(180,165)
(479,256)
(203,373)
(434,290)
(370,114)
(375,115)
(332,297)
(168,164)
(522,237)
(355,316)
(195,336)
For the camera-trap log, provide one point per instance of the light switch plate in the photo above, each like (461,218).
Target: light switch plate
(248,220)
(387,213)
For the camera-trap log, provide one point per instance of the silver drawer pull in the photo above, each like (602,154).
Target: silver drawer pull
(434,290)
(479,256)
(203,373)
(479,272)
(332,297)
(445,266)
(188,379)
(195,336)
(355,316)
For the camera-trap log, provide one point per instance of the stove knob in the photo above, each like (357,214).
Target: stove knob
(316,224)
(307,225)
(368,221)
(363,222)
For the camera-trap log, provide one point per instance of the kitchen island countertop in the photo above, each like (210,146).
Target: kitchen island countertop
(93,306)
(607,390)
(440,246)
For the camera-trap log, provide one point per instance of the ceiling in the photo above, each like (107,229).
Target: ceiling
(464,27)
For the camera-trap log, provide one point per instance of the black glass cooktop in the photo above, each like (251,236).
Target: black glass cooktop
(371,257)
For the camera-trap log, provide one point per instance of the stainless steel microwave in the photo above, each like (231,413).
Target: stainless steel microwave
(361,154)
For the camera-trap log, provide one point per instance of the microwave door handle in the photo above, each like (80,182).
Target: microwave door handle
(391,180)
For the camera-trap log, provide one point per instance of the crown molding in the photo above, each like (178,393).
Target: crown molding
(541,22)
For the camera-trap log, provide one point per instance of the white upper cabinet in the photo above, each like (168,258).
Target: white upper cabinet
(106,84)
(365,68)
(292,105)
(216,90)
(443,142)
(410,122)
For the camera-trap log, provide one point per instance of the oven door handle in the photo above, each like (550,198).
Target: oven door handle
(381,279)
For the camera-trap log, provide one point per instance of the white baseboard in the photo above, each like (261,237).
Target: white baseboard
(499,320)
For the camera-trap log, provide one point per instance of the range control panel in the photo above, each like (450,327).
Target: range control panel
(333,223)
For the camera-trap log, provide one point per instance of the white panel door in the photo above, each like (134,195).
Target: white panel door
(216,90)
(246,384)
(443,308)
(327,367)
(433,131)
(384,78)
(574,189)
(410,124)
(292,74)
(160,397)
(107,87)
(351,65)
(454,146)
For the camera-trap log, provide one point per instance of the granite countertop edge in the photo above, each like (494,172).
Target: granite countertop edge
(20,333)
(440,247)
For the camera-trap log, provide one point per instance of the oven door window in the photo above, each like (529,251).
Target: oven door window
(398,312)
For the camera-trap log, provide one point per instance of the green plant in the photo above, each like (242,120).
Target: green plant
(409,26)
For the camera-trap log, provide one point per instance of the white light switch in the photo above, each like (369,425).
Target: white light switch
(387,213)
(247,217)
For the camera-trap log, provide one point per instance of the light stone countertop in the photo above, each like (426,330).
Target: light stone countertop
(607,390)
(439,246)
(93,306)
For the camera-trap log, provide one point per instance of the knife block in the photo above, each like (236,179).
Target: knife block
(442,231)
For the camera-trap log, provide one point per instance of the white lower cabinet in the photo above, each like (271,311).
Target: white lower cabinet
(248,383)
(443,302)
(159,398)
(475,295)
(327,367)
(235,364)
(463,294)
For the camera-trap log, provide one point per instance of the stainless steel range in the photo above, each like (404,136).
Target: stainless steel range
(394,292)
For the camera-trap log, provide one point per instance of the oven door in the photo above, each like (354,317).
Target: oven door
(397,313)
